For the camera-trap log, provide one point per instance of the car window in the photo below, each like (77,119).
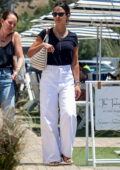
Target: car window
(93,63)
(104,68)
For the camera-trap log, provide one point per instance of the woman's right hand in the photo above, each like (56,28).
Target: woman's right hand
(39,44)
(49,47)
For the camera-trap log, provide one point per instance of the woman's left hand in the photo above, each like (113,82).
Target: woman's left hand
(77,92)
(14,75)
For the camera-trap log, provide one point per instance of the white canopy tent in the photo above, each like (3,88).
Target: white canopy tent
(83,32)
(97,7)
(91,13)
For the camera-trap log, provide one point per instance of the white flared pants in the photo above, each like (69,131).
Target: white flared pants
(57,91)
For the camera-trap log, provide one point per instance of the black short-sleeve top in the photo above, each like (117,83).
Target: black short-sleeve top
(63,53)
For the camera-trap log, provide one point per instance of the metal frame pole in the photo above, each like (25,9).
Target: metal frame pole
(92,125)
(87,122)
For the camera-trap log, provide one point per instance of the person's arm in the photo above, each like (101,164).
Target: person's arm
(18,53)
(76,74)
(37,45)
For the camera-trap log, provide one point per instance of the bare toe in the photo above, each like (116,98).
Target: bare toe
(67,160)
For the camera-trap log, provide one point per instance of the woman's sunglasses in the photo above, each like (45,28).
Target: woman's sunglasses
(60,14)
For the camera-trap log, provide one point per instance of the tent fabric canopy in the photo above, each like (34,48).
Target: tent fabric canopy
(106,7)
(82,32)
(91,13)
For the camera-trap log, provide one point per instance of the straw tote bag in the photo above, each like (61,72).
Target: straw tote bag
(39,60)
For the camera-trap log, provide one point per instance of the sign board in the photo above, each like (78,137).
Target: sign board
(107,108)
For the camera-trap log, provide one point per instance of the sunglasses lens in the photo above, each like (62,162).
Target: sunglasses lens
(54,14)
(60,14)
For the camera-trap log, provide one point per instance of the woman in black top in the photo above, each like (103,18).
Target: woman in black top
(59,86)
(9,46)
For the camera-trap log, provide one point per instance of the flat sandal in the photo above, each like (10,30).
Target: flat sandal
(53,163)
(67,160)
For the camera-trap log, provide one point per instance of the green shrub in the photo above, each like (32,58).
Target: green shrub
(11,135)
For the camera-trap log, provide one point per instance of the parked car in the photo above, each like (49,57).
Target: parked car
(105,68)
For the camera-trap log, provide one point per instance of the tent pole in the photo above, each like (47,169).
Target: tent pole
(97,53)
(100,51)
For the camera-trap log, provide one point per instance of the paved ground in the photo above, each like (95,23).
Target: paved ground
(31,158)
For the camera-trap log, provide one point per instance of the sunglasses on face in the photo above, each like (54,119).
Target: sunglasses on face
(60,14)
